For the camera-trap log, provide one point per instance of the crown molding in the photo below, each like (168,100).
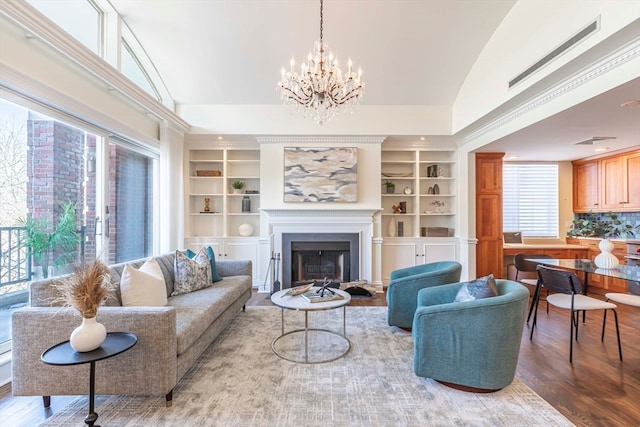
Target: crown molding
(40,27)
(320,139)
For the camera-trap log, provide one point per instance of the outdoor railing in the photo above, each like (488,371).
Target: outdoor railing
(15,263)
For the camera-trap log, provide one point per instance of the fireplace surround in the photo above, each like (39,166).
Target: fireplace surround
(319,222)
(315,256)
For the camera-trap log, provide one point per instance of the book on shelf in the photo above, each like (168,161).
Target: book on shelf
(313,296)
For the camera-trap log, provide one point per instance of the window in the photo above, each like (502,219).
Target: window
(81,19)
(132,68)
(46,163)
(530,199)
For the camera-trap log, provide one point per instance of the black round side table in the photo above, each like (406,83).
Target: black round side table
(64,355)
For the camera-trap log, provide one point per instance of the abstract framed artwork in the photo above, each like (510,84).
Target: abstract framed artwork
(321,174)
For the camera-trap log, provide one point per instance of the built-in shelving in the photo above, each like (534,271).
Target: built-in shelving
(425,181)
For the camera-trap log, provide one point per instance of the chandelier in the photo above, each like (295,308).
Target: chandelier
(321,91)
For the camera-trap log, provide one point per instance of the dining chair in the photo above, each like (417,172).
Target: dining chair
(565,292)
(524,265)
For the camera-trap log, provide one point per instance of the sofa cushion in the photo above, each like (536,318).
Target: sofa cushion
(191,274)
(483,287)
(144,286)
(196,311)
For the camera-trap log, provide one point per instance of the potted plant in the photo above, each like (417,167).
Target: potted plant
(42,242)
(391,187)
(237,187)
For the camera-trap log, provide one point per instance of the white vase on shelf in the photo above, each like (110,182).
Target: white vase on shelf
(606,259)
(392,228)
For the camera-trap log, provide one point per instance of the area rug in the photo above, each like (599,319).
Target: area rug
(239,381)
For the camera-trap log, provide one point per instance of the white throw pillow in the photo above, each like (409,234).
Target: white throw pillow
(143,287)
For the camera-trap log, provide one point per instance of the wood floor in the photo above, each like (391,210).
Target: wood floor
(596,390)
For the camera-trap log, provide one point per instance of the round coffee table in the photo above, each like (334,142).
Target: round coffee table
(299,303)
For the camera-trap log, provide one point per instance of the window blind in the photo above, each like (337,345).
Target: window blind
(530,199)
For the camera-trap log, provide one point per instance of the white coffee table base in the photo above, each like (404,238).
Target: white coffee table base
(310,356)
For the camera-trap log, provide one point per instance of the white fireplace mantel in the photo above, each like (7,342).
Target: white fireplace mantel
(317,221)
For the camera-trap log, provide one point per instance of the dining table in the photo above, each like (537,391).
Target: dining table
(630,273)
(625,272)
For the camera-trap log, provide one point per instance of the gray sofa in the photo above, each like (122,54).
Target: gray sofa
(170,338)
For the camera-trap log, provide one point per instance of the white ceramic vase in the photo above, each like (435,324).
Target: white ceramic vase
(245,230)
(392,228)
(606,259)
(88,336)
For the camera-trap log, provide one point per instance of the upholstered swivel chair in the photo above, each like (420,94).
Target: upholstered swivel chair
(402,291)
(523,265)
(471,345)
(566,292)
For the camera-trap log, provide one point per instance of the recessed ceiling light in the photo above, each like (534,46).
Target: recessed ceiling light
(422,138)
(630,103)
(219,138)
(601,149)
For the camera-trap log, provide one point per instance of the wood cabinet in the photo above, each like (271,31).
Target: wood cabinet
(489,214)
(586,186)
(609,183)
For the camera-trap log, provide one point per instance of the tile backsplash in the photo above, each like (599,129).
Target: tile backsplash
(631,218)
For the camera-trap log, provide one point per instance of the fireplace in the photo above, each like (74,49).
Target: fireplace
(313,226)
(316,256)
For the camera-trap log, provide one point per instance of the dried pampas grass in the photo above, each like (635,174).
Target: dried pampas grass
(87,288)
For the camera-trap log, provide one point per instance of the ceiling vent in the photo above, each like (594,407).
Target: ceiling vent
(595,140)
(581,35)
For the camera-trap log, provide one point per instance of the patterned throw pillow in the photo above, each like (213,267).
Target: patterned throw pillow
(215,277)
(191,274)
(483,287)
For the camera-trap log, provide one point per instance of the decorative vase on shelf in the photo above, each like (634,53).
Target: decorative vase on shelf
(606,259)
(88,336)
(392,228)
(245,230)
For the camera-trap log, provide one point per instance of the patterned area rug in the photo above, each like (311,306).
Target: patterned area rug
(239,381)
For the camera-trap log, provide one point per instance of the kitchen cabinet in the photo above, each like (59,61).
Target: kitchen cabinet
(621,182)
(609,183)
(586,186)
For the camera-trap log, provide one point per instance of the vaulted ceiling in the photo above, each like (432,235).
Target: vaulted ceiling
(412,52)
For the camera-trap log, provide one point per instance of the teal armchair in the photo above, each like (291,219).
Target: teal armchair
(402,291)
(473,345)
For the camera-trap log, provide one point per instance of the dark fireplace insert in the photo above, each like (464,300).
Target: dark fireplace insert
(319,256)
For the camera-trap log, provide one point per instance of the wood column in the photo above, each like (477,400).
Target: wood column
(489,214)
